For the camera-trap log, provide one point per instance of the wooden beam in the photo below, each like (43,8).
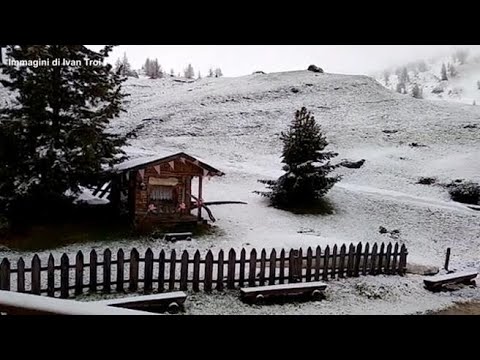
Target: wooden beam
(200,198)
(103,193)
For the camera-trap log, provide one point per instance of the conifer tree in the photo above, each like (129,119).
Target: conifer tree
(189,72)
(417,92)
(451,70)
(218,72)
(306,165)
(56,139)
(443,73)
(386,77)
(210,73)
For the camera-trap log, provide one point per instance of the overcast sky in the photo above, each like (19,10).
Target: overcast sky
(238,60)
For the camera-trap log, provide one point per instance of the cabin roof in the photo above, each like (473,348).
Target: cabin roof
(143,162)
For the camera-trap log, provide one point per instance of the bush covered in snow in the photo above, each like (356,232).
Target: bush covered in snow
(466,192)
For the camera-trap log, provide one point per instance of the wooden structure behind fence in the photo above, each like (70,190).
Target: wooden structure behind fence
(159,272)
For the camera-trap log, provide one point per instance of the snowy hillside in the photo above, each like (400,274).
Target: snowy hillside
(461,84)
(234,125)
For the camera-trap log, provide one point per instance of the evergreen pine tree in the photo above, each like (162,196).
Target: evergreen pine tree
(417,92)
(386,77)
(451,70)
(123,67)
(444,76)
(155,71)
(189,72)
(218,72)
(404,78)
(306,164)
(148,67)
(199,75)
(210,73)
(56,140)
(172,73)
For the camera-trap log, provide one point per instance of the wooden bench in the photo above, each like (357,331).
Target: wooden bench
(437,282)
(178,236)
(171,302)
(260,294)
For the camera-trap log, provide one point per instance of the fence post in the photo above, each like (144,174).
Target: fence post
(36,266)
(243,260)
(447,259)
(373,262)
(351,259)
(21,275)
(107,271)
(272,267)
(231,269)
(93,271)
(120,270)
(326,262)
(358,257)
(148,272)
(5,275)
(263,264)
(184,271)
(64,276)
(220,271)
(365,259)
(79,273)
(341,264)
(161,271)
(394,266)
(196,271)
(318,259)
(308,272)
(282,267)
(134,258)
(380,259)
(403,260)
(208,271)
(333,270)
(252,268)
(51,276)
(173,263)
(388,259)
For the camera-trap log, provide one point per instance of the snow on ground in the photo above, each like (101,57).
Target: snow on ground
(234,125)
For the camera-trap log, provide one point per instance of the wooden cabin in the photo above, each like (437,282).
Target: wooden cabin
(159,190)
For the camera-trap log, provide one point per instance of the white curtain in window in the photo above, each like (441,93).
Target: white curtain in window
(161,193)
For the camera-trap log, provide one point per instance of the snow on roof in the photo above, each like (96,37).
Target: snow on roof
(160,157)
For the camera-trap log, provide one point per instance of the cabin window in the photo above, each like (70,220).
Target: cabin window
(163,193)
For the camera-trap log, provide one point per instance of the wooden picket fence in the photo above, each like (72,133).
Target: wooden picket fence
(162,273)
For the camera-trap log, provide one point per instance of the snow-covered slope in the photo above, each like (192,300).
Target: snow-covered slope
(462,86)
(234,125)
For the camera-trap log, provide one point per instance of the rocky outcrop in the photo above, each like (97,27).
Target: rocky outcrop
(352,164)
(315,69)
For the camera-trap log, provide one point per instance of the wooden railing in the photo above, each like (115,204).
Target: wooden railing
(160,273)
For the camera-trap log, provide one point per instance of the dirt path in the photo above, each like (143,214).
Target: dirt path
(471,308)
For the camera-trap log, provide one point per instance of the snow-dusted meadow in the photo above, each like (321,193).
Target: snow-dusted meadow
(234,125)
